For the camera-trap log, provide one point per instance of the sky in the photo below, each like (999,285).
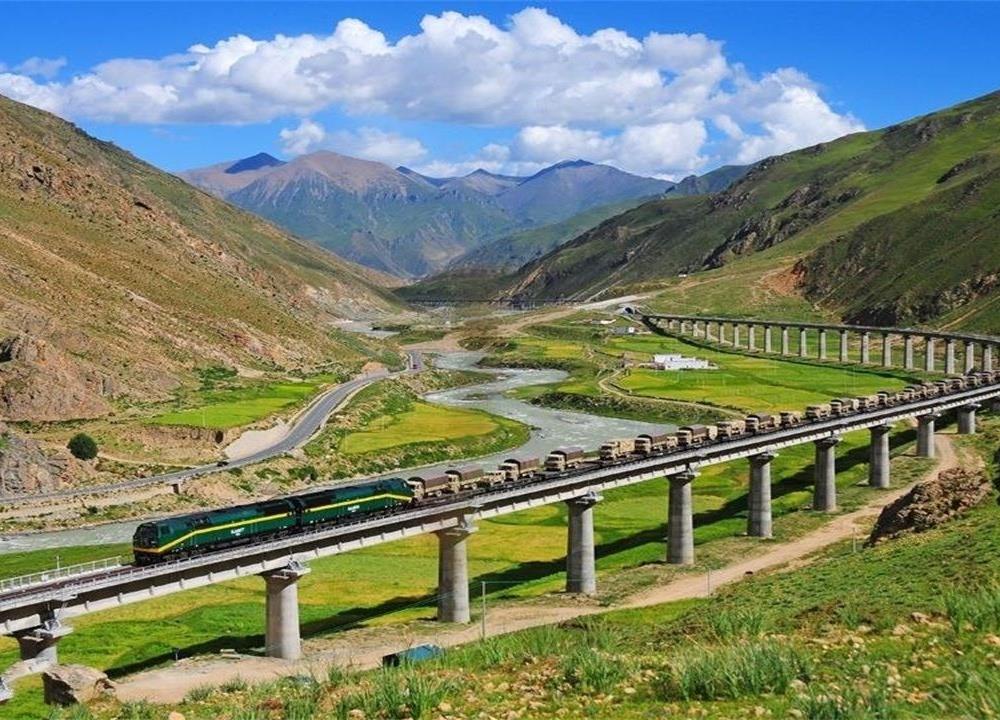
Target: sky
(663,89)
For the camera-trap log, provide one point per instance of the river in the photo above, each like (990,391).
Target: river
(549,429)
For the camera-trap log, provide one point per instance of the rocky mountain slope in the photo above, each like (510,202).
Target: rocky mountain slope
(899,226)
(404,223)
(117,280)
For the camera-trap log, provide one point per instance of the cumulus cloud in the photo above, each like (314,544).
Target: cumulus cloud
(365,142)
(650,98)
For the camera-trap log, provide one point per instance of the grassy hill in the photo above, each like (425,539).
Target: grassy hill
(896,225)
(127,279)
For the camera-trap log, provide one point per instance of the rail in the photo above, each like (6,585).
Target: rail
(60,573)
(488,503)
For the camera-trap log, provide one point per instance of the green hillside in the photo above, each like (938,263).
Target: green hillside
(512,251)
(843,225)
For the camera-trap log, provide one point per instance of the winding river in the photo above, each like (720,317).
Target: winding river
(550,428)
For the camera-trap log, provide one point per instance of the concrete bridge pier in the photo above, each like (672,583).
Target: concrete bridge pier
(908,352)
(759,517)
(680,519)
(865,348)
(40,646)
(825,489)
(886,350)
(844,346)
(970,356)
(751,337)
(709,336)
(967,419)
(878,466)
(767,338)
(822,345)
(736,335)
(949,356)
(784,340)
(282,636)
(988,358)
(803,343)
(929,359)
(722,334)
(453,573)
(925,434)
(581,575)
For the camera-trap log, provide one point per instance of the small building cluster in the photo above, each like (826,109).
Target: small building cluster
(680,362)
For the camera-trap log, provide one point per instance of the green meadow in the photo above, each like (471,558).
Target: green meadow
(421,423)
(236,407)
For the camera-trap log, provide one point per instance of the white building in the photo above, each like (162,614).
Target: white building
(679,362)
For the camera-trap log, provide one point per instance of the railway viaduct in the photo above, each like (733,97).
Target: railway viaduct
(35,611)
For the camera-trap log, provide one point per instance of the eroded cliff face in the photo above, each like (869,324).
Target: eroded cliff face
(41,383)
(26,467)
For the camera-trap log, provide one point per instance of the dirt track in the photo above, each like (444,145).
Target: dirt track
(364,649)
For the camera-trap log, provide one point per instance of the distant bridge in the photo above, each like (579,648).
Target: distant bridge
(36,613)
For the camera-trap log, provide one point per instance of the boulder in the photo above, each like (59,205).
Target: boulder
(930,504)
(72,684)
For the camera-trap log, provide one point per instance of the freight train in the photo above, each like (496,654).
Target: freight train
(186,535)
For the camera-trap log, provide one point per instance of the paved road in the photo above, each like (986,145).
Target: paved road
(304,427)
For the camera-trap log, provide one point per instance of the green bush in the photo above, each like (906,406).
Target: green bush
(82,446)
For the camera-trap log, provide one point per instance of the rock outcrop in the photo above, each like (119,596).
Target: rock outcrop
(930,504)
(73,684)
(41,383)
(26,468)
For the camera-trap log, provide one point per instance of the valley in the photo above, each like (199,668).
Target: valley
(403,362)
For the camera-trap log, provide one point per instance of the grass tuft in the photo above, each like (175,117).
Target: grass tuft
(732,671)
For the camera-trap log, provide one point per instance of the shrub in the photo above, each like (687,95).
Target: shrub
(850,703)
(732,671)
(82,446)
(199,694)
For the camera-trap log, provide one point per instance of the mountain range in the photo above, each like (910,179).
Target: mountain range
(119,281)
(896,226)
(407,224)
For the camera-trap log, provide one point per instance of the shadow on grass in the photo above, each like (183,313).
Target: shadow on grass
(504,580)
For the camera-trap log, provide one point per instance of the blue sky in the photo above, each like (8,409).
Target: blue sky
(657,88)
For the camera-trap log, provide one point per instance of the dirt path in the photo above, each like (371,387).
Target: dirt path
(365,648)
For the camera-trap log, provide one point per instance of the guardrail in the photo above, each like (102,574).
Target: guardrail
(60,573)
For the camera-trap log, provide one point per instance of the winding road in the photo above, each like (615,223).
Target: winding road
(307,424)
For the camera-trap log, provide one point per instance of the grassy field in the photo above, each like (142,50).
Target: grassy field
(905,630)
(741,381)
(236,407)
(422,423)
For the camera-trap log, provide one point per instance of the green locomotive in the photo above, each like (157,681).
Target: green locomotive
(202,532)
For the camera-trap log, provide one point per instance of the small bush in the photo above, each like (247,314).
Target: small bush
(82,446)
(732,671)
(849,703)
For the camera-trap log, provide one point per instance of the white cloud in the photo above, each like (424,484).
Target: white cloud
(599,92)
(308,136)
(365,142)
(46,68)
